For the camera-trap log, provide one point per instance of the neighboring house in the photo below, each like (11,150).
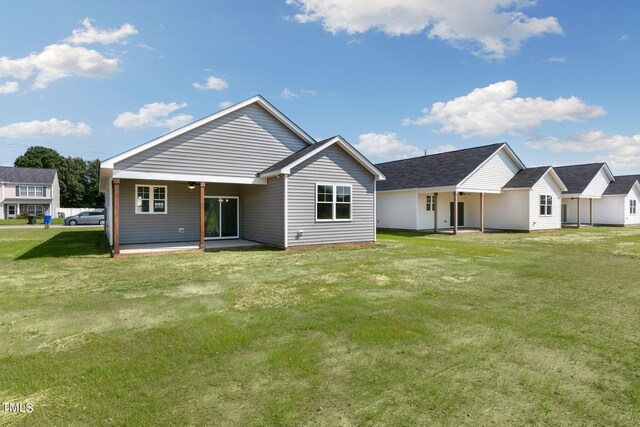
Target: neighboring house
(474,188)
(619,202)
(245,172)
(28,191)
(585,184)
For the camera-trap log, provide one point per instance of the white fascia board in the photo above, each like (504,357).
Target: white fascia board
(344,145)
(579,196)
(607,169)
(110,162)
(152,176)
(421,190)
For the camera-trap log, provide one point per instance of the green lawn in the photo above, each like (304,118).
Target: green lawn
(23,221)
(494,329)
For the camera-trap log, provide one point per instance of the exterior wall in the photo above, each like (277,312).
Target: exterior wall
(397,209)
(609,210)
(493,175)
(183,212)
(507,211)
(331,165)
(572,210)
(262,212)
(239,144)
(634,194)
(597,186)
(545,186)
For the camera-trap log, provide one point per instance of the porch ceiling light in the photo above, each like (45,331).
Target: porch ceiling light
(191,185)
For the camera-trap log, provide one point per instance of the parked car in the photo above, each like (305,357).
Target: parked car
(86,218)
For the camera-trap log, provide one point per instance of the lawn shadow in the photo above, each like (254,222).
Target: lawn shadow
(70,244)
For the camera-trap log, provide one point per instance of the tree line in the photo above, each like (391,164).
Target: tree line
(78,177)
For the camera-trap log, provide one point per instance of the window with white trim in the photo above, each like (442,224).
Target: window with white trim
(333,202)
(546,203)
(151,199)
(31,191)
(632,206)
(431,203)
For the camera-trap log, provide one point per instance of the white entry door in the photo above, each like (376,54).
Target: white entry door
(11,211)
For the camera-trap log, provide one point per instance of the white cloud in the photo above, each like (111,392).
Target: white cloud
(557,59)
(57,61)
(45,129)
(288,94)
(212,82)
(495,110)
(623,38)
(225,104)
(490,28)
(89,34)
(620,151)
(386,146)
(10,87)
(154,115)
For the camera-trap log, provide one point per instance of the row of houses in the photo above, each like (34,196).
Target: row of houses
(249,173)
(489,187)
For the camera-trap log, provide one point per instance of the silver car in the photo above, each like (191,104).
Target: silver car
(86,218)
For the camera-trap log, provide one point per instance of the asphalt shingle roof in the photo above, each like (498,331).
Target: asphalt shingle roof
(622,184)
(27,175)
(435,170)
(295,156)
(577,177)
(527,178)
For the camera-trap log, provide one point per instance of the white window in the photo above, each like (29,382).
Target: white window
(632,207)
(31,191)
(431,203)
(333,202)
(546,203)
(151,199)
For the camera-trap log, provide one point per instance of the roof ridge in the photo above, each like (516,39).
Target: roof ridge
(444,152)
(581,164)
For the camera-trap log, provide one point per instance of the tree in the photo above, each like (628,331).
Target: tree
(78,177)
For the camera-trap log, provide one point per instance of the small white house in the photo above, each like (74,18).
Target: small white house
(474,188)
(586,185)
(619,202)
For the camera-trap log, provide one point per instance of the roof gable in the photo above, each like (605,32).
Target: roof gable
(259,100)
(285,165)
(578,177)
(622,185)
(439,170)
(27,175)
(529,177)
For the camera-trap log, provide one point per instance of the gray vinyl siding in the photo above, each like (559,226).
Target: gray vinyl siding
(333,166)
(239,144)
(183,211)
(263,212)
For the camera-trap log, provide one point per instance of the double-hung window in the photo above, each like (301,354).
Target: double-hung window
(31,191)
(333,202)
(151,199)
(431,202)
(546,203)
(632,206)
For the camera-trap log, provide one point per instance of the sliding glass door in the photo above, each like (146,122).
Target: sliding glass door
(221,218)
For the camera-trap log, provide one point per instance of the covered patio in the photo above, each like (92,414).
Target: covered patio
(575,211)
(451,212)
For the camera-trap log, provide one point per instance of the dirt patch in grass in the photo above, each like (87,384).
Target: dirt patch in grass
(260,295)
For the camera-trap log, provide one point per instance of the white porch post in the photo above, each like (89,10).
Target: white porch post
(482,212)
(578,222)
(435,212)
(455,212)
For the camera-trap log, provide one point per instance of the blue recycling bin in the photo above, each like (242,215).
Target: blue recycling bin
(47,221)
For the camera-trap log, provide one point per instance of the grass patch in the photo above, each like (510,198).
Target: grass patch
(23,221)
(538,328)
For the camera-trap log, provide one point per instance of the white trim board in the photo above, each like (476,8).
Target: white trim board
(188,178)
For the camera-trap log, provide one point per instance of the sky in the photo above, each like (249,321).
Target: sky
(558,80)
